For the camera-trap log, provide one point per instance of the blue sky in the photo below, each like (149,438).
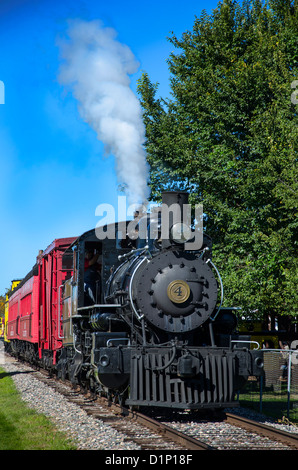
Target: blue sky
(53,169)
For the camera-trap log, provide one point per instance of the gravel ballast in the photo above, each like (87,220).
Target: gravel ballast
(85,432)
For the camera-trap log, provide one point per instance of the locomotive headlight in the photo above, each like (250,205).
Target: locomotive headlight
(180,233)
(104,361)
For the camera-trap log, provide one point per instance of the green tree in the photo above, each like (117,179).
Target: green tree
(2,305)
(229,135)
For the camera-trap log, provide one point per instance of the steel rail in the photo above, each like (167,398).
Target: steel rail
(167,432)
(162,429)
(285,437)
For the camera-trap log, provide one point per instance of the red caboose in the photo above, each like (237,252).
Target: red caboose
(34,327)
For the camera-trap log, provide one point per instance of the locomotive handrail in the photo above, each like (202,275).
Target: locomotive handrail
(139,317)
(59,312)
(243,341)
(116,339)
(221,288)
(99,306)
(133,252)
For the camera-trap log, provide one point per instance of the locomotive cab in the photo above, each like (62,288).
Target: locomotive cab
(89,323)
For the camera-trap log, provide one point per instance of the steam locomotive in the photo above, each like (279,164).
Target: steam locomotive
(143,324)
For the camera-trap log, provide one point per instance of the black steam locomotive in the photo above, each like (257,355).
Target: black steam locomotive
(146,327)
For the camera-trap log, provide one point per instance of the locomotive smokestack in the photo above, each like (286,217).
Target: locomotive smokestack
(175,197)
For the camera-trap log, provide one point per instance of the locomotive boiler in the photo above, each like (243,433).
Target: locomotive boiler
(145,325)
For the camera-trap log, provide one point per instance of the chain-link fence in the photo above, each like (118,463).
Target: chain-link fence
(276,393)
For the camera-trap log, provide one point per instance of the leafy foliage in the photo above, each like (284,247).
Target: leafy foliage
(2,305)
(229,135)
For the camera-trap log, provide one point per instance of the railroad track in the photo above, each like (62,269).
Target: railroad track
(232,432)
(145,431)
(186,432)
(290,439)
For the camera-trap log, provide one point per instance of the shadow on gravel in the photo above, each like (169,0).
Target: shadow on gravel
(10,374)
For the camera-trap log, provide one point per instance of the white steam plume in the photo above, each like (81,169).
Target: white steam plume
(97,67)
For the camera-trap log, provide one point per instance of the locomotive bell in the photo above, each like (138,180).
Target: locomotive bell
(174,227)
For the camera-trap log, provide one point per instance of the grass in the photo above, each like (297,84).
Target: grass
(274,403)
(22,428)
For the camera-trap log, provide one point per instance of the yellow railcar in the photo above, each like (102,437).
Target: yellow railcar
(259,333)
(14,284)
(1,327)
